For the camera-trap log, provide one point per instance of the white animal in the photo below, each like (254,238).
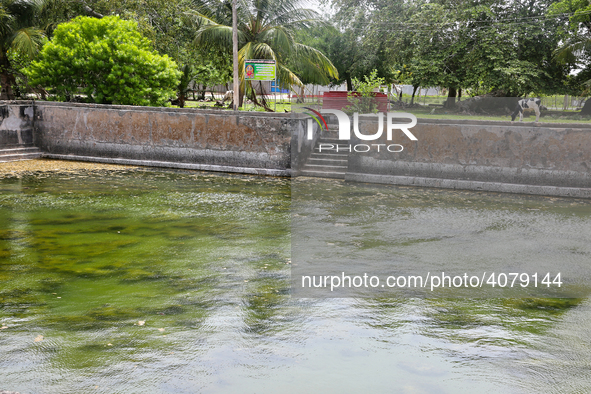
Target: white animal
(533,103)
(228,96)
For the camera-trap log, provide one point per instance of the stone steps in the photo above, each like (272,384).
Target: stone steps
(19,153)
(327,162)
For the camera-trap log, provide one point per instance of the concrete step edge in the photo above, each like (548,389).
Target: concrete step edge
(315,166)
(20,157)
(327,160)
(20,148)
(323,172)
(20,152)
(331,152)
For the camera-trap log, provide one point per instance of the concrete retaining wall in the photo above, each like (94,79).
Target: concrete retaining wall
(16,124)
(205,139)
(550,159)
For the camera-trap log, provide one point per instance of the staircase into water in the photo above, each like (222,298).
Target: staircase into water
(19,153)
(325,163)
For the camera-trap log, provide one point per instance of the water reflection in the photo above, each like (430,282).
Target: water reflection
(179,282)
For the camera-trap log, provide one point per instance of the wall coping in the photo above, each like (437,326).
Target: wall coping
(465,122)
(289,115)
(136,108)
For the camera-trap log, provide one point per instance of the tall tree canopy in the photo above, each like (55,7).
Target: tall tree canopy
(484,45)
(266,30)
(20,32)
(575,33)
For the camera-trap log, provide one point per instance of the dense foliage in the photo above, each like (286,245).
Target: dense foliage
(266,30)
(363,101)
(510,48)
(106,59)
(20,39)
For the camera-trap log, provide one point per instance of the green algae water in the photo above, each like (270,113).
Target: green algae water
(179,282)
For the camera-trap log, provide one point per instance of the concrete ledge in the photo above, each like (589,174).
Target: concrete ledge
(167,164)
(504,123)
(169,154)
(478,173)
(470,185)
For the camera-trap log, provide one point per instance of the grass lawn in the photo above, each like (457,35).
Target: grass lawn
(283,105)
(440,113)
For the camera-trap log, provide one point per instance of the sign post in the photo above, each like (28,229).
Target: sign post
(236,82)
(261,70)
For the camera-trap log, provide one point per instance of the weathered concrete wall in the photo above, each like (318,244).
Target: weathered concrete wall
(552,159)
(214,139)
(16,124)
(301,146)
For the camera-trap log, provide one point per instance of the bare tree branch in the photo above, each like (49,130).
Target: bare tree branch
(89,11)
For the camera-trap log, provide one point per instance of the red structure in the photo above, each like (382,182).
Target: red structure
(338,100)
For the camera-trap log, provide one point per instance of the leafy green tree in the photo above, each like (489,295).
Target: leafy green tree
(213,70)
(364,101)
(575,51)
(108,60)
(483,45)
(355,48)
(20,34)
(164,22)
(575,33)
(266,30)
(351,56)
(512,48)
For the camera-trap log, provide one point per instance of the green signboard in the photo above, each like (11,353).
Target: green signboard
(259,70)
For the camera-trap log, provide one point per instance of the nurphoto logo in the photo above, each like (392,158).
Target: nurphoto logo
(345,130)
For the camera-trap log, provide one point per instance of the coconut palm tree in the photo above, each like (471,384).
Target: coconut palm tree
(265,31)
(18,33)
(573,50)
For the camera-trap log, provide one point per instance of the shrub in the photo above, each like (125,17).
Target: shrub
(106,59)
(363,99)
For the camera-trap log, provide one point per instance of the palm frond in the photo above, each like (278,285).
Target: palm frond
(215,35)
(297,18)
(24,11)
(28,41)
(266,31)
(279,38)
(313,55)
(6,21)
(569,52)
(256,50)
(287,77)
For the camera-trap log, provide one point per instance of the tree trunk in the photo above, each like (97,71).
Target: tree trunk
(241,95)
(263,102)
(235,71)
(586,110)
(414,90)
(89,11)
(460,94)
(42,92)
(302,96)
(451,98)
(6,77)
(349,83)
